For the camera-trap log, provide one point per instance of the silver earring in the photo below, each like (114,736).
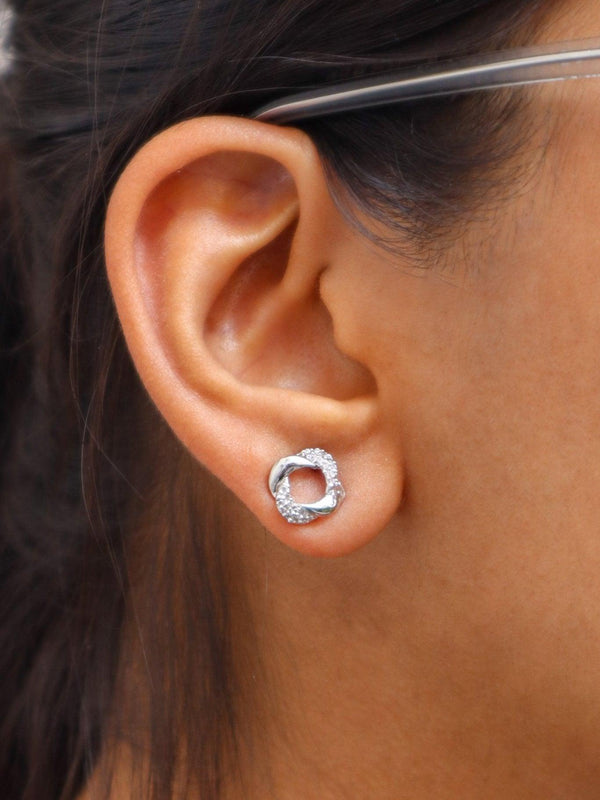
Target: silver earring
(279,484)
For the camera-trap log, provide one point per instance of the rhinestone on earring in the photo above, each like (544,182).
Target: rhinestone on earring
(279,484)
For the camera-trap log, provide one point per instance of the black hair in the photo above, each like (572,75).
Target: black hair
(89,82)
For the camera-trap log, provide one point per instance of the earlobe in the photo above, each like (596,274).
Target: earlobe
(217,237)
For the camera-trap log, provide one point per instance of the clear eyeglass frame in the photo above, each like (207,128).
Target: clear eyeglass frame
(514,67)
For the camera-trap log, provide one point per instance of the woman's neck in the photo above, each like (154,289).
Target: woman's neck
(374,676)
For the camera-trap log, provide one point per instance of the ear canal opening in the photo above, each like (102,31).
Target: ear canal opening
(267,338)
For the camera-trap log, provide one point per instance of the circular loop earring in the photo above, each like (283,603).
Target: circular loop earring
(279,483)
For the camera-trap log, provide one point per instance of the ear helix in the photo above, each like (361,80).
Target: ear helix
(302,513)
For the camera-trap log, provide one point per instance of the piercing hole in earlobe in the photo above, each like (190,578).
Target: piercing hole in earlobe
(307,485)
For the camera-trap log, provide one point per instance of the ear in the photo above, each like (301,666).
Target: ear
(218,235)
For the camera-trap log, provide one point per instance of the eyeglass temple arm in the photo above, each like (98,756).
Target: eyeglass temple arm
(527,65)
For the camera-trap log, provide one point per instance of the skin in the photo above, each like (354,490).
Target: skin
(439,636)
